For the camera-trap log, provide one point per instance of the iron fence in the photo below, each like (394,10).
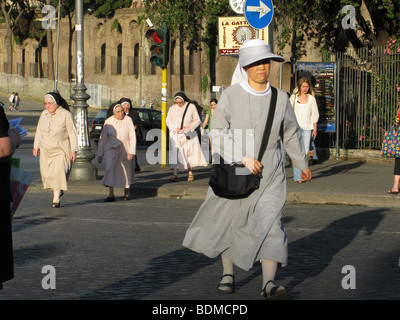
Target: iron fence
(366,95)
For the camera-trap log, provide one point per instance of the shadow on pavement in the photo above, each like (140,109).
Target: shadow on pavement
(311,255)
(162,272)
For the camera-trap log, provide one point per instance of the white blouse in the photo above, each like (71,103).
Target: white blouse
(306,113)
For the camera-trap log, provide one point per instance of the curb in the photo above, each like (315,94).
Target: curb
(200,192)
(343,199)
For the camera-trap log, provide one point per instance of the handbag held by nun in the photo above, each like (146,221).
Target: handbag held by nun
(229,180)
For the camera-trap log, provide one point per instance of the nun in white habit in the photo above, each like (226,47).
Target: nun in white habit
(249,230)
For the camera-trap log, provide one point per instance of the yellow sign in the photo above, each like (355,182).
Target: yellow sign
(233,31)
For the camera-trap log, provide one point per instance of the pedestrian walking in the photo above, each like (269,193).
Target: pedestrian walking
(56,145)
(185,151)
(16,102)
(207,120)
(396,173)
(151,103)
(9,141)
(137,123)
(117,147)
(247,230)
(143,103)
(306,111)
(11,99)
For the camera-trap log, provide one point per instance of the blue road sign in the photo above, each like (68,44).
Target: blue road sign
(259,13)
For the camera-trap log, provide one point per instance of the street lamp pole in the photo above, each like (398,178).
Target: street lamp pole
(82,169)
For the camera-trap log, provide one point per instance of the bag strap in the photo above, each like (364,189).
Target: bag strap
(184,113)
(268,126)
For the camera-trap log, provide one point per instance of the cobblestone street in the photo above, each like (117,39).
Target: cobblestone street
(132,250)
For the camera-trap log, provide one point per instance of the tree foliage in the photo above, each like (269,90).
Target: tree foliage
(106,8)
(19,17)
(302,20)
(188,16)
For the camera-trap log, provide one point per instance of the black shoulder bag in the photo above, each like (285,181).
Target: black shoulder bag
(225,181)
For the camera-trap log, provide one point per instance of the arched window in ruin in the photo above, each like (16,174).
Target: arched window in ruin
(136,60)
(103,58)
(119,59)
(172,57)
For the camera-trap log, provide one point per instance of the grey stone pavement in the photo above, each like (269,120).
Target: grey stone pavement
(131,250)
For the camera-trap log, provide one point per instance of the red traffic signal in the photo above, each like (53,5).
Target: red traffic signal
(159,45)
(155,35)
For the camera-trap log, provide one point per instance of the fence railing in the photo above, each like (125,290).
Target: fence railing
(367,95)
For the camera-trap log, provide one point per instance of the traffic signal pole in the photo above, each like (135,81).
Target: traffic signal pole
(159,56)
(163,117)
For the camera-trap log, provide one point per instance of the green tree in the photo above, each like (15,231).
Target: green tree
(192,20)
(303,20)
(13,13)
(106,8)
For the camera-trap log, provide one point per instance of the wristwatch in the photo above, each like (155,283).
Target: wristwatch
(237,6)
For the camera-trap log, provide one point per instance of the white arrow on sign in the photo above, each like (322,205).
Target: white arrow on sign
(262,9)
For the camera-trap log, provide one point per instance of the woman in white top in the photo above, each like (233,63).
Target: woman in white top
(306,111)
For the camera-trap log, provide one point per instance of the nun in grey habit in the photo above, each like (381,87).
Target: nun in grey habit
(248,230)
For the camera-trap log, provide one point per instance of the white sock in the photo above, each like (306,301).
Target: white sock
(227,266)
(268,270)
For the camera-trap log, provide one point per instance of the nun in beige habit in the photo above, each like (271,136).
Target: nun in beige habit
(56,145)
(249,230)
(117,148)
(185,150)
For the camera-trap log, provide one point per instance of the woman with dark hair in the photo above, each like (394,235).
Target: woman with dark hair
(207,120)
(185,151)
(56,145)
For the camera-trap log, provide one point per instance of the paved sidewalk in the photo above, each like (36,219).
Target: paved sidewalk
(334,182)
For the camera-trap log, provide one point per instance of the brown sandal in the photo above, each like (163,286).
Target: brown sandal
(173,178)
(190,177)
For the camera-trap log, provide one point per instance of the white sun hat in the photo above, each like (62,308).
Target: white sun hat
(255,50)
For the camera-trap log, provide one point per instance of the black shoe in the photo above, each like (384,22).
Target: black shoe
(56,204)
(276,293)
(109,199)
(226,287)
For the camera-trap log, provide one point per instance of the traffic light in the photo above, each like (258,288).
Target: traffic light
(159,45)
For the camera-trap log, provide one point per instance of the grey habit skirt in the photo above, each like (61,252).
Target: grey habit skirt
(244,230)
